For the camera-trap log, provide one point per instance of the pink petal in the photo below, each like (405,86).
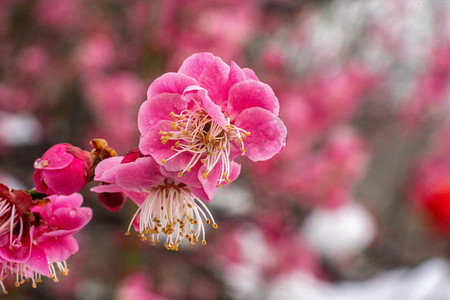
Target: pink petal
(150,144)
(213,110)
(170,83)
(60,248)
(107,188)
(250,93)
(137,197)
(57,157)
(72,201)
(38,261)
(211,181)
(268,133)
(211,73)
(67,221)
(200,193)
(250,74)
(188,178)
(194,65)
(57,179)
(159,108)
(104,170)
(20,253)
(236,74)
(143,174)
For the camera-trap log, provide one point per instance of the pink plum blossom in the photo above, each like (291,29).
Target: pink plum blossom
(209,113)
(36,236)
(167,203)
(63,169)
(136,286)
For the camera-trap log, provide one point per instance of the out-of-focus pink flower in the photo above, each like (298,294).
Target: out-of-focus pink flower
(63,169)
(35,237)
(223,27)
(114,101)
(207,114)
(96,53)
(59,15)
(324,176)
(33,60)
(136,286)
(167,204)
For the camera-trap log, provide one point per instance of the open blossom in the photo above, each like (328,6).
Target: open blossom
(207,114)
(63,169)
(168,204)
(36,237)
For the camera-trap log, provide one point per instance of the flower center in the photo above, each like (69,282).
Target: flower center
(173,211)
(195,132)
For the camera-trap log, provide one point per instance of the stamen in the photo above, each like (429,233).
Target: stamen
(196,133)
(173,211)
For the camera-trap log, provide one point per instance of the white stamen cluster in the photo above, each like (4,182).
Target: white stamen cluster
(195,132)
(172,210)
(9,218)
(23,274)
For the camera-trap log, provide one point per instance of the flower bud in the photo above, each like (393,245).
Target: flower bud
(64,169)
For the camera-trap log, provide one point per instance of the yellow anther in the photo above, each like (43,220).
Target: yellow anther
(243,150)
(207,221)
(17,284)
(55,279)
(247,133)
(34,285)
(215,226)
(163,161)
(205,174)
(202,160)
(180,174)
(227,180)
(177,144)
(127,233)
(228,127)
(188,169)
(240,140)
(161,133)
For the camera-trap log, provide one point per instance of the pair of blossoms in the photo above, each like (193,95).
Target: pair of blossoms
(193,126)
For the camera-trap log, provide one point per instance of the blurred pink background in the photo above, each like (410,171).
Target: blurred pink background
(357,206)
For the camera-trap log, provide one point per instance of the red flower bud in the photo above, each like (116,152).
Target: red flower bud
(64,169)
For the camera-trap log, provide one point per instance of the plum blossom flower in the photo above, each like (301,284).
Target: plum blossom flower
(207,114)
(63,169)
(168,204)
(36,236)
